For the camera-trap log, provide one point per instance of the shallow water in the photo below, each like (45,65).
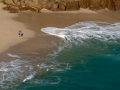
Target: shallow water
(89,59)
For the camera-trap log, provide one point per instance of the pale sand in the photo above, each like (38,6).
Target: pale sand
(35,21)
(9,30)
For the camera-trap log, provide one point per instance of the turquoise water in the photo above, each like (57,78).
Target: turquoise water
(94,65)
(89,59)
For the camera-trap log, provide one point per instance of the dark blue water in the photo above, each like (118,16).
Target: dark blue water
(92,65)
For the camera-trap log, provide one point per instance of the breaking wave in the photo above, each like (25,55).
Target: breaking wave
(24,69)
(68,64)
(85,30)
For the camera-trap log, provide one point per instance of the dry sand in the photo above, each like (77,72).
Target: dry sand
(31,23)
(9,30)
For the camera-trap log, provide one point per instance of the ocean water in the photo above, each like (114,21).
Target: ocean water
(89,59)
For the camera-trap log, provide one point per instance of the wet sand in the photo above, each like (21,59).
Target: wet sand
(44,43)
(36,44)
(36,21)
(9,30)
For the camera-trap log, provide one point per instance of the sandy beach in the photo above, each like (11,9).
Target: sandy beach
(9,30)
(31,23)
(25,60)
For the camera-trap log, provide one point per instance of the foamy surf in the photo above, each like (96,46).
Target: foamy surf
(23,70)
(59,62)
(11,55)
(85,30)
(53,31)
(28,78)
(16,70)
(79,33)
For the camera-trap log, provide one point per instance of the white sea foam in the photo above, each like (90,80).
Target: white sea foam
(24,69)
(15,70)
(85,30)
(3,69)
(11,55)
(52,31)
(28,78)
(78,33)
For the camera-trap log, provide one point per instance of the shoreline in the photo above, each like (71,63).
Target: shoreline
(34,39)
(26,53)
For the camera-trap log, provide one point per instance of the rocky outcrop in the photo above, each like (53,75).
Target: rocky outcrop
(74,5)
(1,0)
(60,5)
(100,4)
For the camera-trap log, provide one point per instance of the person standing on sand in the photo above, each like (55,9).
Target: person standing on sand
(20,34)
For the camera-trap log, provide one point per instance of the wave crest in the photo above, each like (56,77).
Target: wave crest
(85,30)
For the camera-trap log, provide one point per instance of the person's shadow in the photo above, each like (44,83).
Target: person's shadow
(21,34)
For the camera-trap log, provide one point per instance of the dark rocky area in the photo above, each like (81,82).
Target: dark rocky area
(14,6)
